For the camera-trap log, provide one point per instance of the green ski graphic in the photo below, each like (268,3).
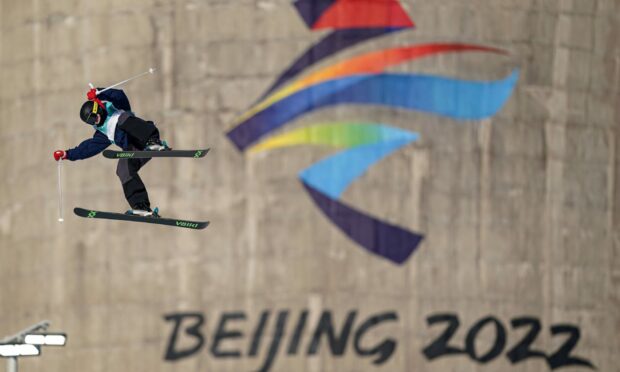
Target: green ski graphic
(194,225)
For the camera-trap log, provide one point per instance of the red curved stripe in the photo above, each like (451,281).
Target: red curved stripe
(346,14)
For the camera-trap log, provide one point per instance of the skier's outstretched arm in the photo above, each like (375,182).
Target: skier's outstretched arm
(86,149)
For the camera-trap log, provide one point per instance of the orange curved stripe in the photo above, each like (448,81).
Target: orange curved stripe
(369,63)
(376,62)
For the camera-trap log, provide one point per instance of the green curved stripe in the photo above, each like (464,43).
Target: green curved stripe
(334,134)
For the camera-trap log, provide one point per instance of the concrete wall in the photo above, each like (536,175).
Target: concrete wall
(519,212)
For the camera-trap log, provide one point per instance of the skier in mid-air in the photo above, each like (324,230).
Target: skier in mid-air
(109,113)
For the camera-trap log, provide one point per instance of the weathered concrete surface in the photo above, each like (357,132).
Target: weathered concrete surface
(520,212)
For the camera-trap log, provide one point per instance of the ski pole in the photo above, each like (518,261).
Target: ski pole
(60,219)
(150,71)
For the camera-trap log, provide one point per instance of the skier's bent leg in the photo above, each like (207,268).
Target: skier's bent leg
(133,187)
(140,131)
(136,194)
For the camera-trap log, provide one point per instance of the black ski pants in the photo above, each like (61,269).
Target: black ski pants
(133,187)
(138,131)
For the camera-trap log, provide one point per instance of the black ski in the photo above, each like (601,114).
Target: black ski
(111,154)
(86,213)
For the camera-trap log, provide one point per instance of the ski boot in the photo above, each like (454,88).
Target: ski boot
(155,144)
(143,210)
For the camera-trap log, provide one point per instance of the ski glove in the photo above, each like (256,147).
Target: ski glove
(60,155)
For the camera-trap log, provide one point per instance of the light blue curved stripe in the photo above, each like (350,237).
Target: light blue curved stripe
(333,175)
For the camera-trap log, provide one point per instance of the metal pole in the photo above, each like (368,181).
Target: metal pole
(150,71)
(11,364)
(60,214)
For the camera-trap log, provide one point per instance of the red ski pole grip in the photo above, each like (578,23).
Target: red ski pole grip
(92,94)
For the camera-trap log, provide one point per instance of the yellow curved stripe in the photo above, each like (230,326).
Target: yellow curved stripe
(334,134)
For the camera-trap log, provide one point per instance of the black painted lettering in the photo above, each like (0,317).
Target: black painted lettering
(337,344)
(440,346)
(296,338)
(562,357)
(278,334)
(172,353)
(523,350)
(258,333)
(498,344)
(223,334)
(385,349)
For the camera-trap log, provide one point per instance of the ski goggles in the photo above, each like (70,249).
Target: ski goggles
(92,117)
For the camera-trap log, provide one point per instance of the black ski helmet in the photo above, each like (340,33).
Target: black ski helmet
(89,111)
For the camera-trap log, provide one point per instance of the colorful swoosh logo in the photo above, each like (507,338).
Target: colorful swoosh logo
(362,80)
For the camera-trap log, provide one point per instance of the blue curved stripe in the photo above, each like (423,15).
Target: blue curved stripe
(334,174)
(381,238)
(457,99)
